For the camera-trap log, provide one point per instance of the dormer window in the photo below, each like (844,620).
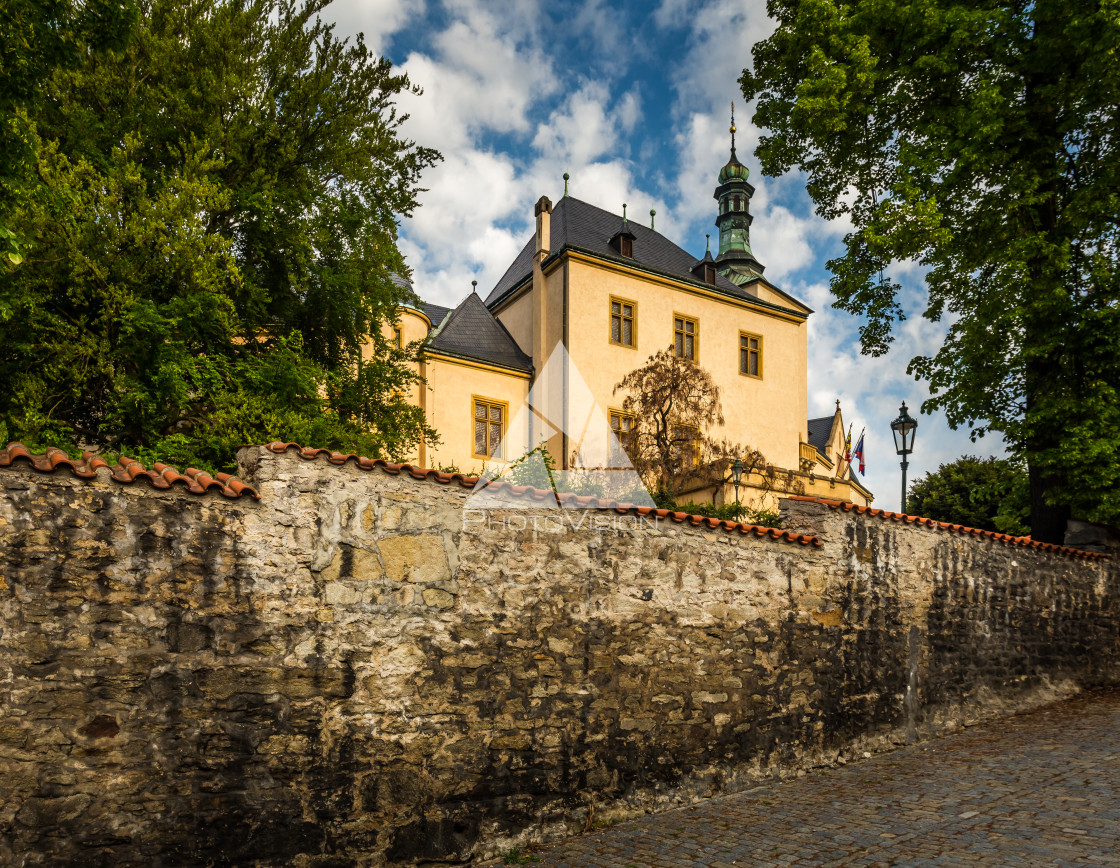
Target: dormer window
(623,242)
(709,274)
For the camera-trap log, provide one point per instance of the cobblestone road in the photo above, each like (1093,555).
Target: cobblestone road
(1039,789)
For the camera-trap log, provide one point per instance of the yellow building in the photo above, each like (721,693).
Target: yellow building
(609,293)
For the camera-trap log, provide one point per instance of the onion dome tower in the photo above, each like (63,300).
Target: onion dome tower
(735,260)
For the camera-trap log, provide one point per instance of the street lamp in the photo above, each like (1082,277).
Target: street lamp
(737,475)
(904,428)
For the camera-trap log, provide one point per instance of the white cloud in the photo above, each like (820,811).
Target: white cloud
(586,128)
(629,110)
(459,101)
(670,13)
(377,20)
(610,185)
(785,240)
(703,149)
(601,21)
(453,233)
(722,33)
(486,75)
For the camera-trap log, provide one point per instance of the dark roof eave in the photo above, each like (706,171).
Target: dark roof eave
(437,350)
(622,260)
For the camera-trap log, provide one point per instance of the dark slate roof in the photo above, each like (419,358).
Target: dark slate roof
(819,429)
(473,332)
(577,224)
(434,312)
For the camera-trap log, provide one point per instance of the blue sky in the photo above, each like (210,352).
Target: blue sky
(631,99)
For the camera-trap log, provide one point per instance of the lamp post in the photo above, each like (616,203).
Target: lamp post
(904,428)
(737,475)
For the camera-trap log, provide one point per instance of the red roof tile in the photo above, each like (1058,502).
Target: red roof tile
(127,471)
(543,495)
(1025,541)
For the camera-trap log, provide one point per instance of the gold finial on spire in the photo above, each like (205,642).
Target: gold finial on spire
(733,125)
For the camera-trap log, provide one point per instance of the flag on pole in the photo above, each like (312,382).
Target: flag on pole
(848,446)
(860,454)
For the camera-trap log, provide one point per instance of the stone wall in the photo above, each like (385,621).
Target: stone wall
(356,669)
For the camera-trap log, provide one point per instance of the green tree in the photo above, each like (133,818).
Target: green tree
(214,242)
(675,405)
(36,38)
(990,493)
(981,139)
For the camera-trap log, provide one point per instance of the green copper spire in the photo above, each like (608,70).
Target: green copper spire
(736,261)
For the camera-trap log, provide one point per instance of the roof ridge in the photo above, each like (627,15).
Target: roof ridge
(539,494)
(1008,539)
(126,471)
(581,226)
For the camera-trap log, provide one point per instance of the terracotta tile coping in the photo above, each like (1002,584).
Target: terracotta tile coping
(127,471)
(883,514)
(162,476)
(542,495)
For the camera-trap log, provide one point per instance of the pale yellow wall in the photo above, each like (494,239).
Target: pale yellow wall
(554,284)
(769,294)
(767,413)
(451,386)
(834,489)
(762,494)
(414,327)
(413,324)
(517,317)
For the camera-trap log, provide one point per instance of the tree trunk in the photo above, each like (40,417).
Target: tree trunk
(1043,429)
(1048,523)
(1045,375)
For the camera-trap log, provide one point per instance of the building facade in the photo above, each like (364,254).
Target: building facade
(604,293)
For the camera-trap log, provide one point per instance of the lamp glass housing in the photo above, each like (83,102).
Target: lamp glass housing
(737,471)
(904,428)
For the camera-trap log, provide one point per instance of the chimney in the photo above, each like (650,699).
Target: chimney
(541,326)
(543,212)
